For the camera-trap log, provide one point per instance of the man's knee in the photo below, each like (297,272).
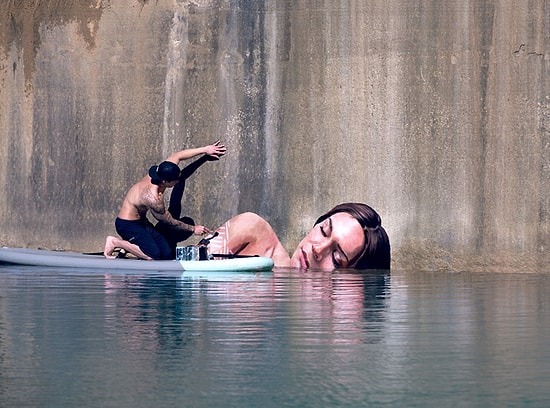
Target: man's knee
(163,248)
(165,253)
(152,252)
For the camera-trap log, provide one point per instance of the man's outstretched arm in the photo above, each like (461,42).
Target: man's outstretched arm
(215,150)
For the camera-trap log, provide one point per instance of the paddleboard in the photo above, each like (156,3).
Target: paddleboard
(65,259)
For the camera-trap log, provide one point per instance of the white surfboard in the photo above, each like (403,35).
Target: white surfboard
(65,259)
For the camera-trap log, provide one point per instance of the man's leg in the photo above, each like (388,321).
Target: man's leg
(174,236)
(111,243)
(138,238)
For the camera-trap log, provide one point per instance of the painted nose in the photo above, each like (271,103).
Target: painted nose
(320,249)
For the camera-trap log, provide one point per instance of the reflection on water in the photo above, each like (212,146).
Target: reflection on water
(308,339)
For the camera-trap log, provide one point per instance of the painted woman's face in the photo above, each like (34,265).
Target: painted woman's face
(331,244)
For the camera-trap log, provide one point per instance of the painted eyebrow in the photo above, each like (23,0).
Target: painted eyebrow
(338,245)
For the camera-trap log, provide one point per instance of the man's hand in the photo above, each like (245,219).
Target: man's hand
(215,150)
(200,230)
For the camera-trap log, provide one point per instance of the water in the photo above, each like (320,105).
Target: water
(281,339)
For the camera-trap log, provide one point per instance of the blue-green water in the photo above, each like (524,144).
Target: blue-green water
(281,339)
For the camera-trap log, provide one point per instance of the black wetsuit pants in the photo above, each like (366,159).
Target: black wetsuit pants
(143,234)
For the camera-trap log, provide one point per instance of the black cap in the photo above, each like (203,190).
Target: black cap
(166,171)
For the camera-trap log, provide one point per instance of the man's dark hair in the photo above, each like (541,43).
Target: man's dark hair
(166,171)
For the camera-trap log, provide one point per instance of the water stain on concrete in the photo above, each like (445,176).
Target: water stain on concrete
(21,20)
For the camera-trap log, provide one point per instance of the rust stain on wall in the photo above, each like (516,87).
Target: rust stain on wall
(21,20)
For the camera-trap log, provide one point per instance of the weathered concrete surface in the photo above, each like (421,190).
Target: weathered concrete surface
(435,113)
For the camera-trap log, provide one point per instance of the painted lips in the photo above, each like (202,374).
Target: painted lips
(303,259)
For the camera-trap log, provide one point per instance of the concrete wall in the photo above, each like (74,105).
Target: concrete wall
(435,113)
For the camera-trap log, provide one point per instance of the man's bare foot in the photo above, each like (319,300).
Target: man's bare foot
(109,247)
(112,244)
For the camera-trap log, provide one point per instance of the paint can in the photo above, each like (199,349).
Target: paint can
(187,253)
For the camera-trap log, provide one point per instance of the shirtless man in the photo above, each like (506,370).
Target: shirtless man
(139,236)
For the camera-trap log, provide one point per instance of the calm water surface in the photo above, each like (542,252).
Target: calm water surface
(281,339)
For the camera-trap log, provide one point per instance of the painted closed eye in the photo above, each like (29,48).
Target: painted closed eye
(326,227)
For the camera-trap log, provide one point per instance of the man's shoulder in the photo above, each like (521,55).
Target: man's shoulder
(143,192)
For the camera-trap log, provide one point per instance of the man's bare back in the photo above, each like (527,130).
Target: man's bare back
(141,197)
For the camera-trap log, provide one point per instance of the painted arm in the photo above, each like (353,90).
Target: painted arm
(249,234)
(246,234)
